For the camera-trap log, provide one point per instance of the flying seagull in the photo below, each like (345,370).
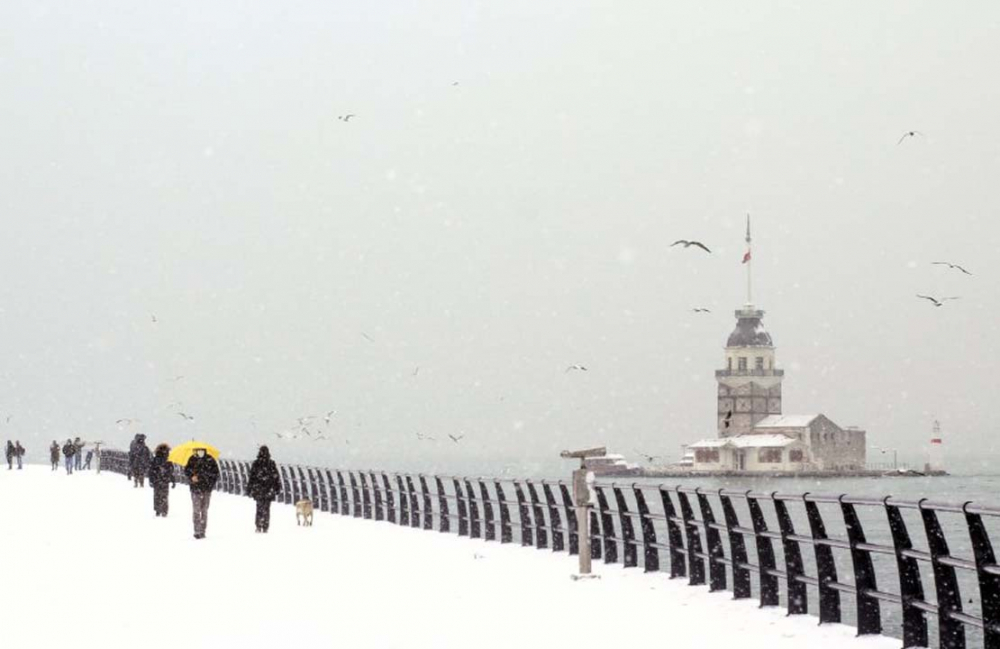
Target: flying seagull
(455,438)
(345,118)
(153,316)
(729,417)
(576,367)
(328,416)
(186,416)
(937,301)
(649,458)
(126,421)
(909,134)
(415,370)
(319,437)
(950,265)
(688,244)
(367,337)
(701,310)
(422,437)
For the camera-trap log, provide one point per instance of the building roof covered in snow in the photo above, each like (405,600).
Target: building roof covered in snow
(710,443)
(760,441)
(746,441)
(786,421)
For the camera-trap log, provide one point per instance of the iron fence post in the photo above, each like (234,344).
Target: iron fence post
(475,529)
(737,549)
(868,613)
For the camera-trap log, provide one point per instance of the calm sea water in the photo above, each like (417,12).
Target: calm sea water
(981,489)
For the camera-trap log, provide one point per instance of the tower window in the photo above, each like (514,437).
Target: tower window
(742,364)
(758,363)
(729,364)
(795,455)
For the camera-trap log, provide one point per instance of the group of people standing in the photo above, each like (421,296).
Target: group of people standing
(202,472)
(14,452)
(72,452)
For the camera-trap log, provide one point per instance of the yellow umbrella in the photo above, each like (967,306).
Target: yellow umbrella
(181,453)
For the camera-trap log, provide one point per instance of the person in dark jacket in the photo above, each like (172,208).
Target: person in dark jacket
(9,452)
(139,459)
(203,472)
(133,445)
(68,451)
(54,455)
(161,475)
(263,485)
(18,453)
(78,458)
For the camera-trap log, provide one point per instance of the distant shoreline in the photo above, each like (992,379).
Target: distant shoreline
(688,473)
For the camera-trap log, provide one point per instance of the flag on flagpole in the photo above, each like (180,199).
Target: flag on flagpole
(746,256)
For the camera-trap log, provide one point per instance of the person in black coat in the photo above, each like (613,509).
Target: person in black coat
(203,472)
(263,485)
(54,455)
(161,476)
(139,459)
(9,452)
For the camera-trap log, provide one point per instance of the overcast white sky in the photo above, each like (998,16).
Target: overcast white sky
(185,159)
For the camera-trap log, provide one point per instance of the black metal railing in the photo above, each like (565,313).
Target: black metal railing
(923,571)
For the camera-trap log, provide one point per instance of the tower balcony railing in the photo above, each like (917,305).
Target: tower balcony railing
(749,373)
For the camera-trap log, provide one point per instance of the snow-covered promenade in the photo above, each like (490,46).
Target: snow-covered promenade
(87,564)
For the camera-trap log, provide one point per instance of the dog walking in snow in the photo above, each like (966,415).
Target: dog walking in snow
(304,512)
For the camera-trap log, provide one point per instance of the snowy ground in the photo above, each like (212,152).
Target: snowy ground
(343,580)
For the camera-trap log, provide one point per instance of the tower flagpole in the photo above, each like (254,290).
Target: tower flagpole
(748,259)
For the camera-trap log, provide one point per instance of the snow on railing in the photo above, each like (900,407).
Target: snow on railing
(855,547)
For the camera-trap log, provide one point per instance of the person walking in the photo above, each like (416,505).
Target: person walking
(9,453)
(78,456)
(90,456)
(68,450)
(18,453)
(133,445)
(161,476)
(263,485)
(203,472)
(54,455)
(139,459)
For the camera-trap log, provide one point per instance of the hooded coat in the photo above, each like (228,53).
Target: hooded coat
(264,482)
(161,471)
(54,452)
(139,456)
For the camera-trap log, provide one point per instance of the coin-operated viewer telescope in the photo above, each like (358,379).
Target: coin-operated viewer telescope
(584,497)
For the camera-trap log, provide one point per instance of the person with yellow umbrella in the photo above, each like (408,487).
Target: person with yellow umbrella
(202,471)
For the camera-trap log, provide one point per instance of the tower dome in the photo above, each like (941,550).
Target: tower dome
(749,331)
(750,384)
